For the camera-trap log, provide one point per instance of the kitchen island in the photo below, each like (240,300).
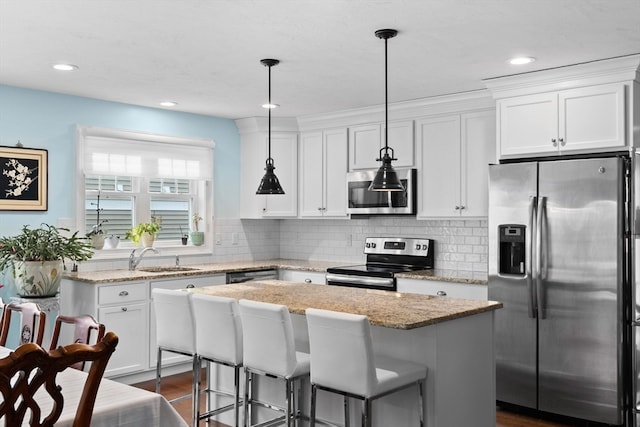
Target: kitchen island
(452,337)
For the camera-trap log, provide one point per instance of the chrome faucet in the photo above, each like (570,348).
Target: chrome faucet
(133,261)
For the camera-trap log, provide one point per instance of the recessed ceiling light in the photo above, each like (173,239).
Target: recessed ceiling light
(168,103)
(65,67)
(270,105)
(521,60)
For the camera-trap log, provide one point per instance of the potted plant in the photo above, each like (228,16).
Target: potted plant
(37,257)
(145,232)
(97,234)
(197,237)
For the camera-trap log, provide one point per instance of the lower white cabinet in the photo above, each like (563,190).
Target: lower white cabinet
(300,276)
(126,309)
(449,289)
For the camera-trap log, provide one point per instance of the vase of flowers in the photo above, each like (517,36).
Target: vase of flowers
(37,257)
(97,233)
(196,236)
(145,233)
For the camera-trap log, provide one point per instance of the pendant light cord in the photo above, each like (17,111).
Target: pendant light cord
(269,159)
(386,100)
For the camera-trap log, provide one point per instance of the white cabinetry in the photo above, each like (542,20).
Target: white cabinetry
(449,289)
(299,276)
(586,118)
(123,308)
(253,156)
(365,142)
(323,173)
(454,152)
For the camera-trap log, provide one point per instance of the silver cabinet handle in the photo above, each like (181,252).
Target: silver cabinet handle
(457,208)
(441,293)
(462,207)
(562,142)
(554,142)
(123,293)
(319,209)
(307,280)
(124,308)
(190,286)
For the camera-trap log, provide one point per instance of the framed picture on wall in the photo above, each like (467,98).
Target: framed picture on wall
(23,179)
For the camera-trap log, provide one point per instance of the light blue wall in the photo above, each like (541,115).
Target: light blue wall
(48,120)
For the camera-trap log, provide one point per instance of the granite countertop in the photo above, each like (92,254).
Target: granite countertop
(384,308)
(121,275)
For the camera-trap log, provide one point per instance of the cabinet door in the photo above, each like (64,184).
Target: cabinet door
(401,139)
(439,171)
(364,146)
(299,276)
(528,124)
(478,150)
(130,323)
(440,288)
(284,151)
(592,117)
(311,174)
(335,173)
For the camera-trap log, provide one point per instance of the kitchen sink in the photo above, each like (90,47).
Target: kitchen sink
(166,269)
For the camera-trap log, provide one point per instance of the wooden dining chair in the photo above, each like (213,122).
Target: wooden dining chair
(32,325)
(31,368)
(82,327)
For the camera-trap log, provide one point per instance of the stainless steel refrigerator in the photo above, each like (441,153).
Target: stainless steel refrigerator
(559,260)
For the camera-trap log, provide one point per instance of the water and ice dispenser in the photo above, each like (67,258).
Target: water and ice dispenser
(512,249)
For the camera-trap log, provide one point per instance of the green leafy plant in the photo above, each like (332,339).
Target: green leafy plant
(45,243)
(152,227)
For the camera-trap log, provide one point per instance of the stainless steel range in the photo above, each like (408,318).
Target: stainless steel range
(386,256)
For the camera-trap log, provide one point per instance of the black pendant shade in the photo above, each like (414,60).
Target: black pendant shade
(386,178)
(269,183)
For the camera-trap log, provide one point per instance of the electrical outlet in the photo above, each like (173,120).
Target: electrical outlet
(218,238)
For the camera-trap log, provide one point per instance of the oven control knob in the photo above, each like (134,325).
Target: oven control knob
(424,247)
(368,245)
(418,247)
(373,245)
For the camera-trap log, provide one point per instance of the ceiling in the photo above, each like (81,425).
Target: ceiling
(205,54)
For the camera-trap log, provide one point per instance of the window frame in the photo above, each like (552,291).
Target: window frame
(202,203)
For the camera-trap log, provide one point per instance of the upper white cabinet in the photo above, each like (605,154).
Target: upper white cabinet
(578,109)
(323,173)
(253,156)
(365,142)
(454,152)
(587,118)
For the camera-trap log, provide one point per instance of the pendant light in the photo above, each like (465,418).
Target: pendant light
(269,183)
(386,178)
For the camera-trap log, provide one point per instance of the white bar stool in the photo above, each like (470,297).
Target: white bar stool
(269,349)
(218,340)
(342,361)
(175,332)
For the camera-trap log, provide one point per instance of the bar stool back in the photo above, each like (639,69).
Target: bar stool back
(175,332)
(350,368)
(269,349)
(218,340)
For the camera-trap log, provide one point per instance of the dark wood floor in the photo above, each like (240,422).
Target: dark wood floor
(179,385)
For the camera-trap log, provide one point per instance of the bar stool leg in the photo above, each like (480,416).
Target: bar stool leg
(421,398)
(247,401)
(195,390)
(236,404)
(367,412)
(347,421)
(288,401)
(312,409)
(158,370)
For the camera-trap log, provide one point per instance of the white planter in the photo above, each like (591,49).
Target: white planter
(111,242)
(97,241)
(37,278)
(146,240)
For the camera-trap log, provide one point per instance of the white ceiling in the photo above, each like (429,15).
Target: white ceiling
(205,54)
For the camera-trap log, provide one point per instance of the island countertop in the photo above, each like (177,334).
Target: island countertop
(384,308)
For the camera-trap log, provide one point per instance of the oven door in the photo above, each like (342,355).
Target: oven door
(366,282)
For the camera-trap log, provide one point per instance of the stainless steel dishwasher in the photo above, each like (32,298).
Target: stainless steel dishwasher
(248,276)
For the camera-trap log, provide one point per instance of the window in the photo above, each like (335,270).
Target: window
(127,177)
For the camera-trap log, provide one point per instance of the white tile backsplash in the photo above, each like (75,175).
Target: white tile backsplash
(461,245)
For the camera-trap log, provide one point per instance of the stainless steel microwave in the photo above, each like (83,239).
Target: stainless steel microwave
(365,202)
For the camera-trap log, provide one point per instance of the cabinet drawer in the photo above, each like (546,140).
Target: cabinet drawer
(119,294)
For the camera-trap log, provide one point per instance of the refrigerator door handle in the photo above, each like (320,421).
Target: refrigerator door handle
(528,262)
(542,206)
